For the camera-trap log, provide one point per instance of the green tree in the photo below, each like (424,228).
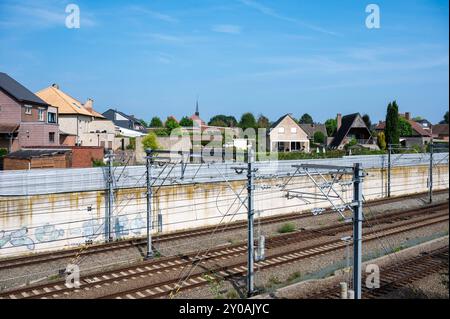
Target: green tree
(143,123)
(223,120)
(331,125)
(156,122)
(391,130)
(445,120)
(186,122)
(263,122)
(404,127)
(247,121)
(306,119)
(367,121)
(218,122)
(381,141)
(319,138)
(150,141)
(171,124)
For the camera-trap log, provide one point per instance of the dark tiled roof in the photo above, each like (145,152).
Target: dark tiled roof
(17,90)
(27,154)
(128,117)
(441,129)
(311,129)
(414,125)
(346,125)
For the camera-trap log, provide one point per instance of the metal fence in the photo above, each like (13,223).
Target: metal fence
(52,181)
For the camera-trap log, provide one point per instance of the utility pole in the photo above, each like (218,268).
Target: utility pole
(250,239)
(149,162)
(357,228)
(109,211)
(389,171)
(430,178)
(250,216)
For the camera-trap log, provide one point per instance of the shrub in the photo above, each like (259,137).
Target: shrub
(98,163)
(132,145)
(381,141)
(150,141)
(3,152)
(161,132)
(319,138)
(286,228)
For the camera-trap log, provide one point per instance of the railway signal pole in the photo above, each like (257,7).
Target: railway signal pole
(357,228)
(389,171)
(317,174)
(250,237)
(250,217)
(430,178)
(109,211)
(149,162)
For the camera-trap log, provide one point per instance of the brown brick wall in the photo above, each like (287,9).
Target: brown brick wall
(37,134)
(10,110)
(58,161)
(33,117)
(83,156)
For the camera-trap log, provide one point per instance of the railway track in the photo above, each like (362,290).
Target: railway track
(398,275)
(82,251)
(156,267)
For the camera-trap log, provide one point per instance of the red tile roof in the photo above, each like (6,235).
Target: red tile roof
(415,126)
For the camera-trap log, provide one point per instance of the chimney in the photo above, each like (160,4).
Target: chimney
(339,121)
(408,116)
(89,105)
(56,86)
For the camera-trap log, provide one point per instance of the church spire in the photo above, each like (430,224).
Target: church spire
(196,109)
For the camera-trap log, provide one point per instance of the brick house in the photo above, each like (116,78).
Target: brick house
(285,135)
(25,119)
(79,123)
(419,136)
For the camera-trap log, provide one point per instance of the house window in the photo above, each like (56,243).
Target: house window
(281,130)
(28,109)
(41,115)
(295,146)
(51,137)
(51,117)
(293,130)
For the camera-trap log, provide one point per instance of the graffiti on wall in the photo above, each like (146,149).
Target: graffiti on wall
(22,237)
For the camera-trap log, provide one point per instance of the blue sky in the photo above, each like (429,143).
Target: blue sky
(152,58)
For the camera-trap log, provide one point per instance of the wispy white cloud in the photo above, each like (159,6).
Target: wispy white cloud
(153,14)
(171,39)
(164,58)
(348,62)
(227,28)
(272,13)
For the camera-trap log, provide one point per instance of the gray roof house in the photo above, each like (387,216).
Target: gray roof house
(124,120)
(312,129)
